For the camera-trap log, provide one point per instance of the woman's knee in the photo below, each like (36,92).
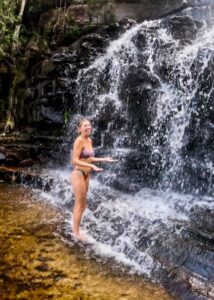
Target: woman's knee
(80,207)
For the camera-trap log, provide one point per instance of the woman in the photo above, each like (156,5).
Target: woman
(83,161)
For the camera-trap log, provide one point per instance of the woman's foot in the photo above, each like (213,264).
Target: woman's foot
(80,236)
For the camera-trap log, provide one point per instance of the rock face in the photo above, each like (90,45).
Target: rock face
(202,222)
(146,9)
(19,150)
(50,100)
(183,28)
(147,81)
(50,96)
(142,9)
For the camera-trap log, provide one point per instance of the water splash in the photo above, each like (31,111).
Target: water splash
(127,228)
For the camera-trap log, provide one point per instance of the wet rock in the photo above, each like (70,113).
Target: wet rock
(198,143)
(125,185)
(33,148)
(64,57)
(43,158)
(127,23)
(95,40)
(184,28)
(50,114)
(138,92)
(202,222)
(26,163)
(140,40)
(12,158)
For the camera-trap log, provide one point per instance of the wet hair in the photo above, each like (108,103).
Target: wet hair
(80,124)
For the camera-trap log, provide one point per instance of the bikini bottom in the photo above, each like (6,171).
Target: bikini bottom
(85,175)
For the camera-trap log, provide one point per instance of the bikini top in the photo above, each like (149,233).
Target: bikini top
(86,153)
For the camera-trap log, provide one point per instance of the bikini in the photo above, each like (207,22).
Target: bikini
(85,154)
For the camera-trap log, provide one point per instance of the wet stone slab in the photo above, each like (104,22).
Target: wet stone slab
(36,264)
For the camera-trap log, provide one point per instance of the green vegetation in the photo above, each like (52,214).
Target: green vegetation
(67,117)
(31,29)
(8,21)
(52,18)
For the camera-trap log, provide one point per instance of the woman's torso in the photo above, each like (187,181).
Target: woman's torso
(86,154)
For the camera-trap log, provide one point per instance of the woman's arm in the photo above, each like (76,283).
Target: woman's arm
(103,159)
(97,159)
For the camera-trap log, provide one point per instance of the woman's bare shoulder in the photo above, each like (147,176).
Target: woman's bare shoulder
(78,141)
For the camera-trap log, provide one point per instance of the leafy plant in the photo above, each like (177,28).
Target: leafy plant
(8,21)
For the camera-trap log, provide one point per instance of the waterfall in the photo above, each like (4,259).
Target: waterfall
(116,62)
(150,98)
(175,105)
(103,86)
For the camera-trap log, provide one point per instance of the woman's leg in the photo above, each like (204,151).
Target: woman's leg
(80,189)
(86,185)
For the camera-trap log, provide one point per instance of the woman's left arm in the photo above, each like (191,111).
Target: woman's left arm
(103,159)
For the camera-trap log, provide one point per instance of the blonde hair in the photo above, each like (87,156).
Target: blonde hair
(80,124)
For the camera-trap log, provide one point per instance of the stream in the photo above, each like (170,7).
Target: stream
(36,264)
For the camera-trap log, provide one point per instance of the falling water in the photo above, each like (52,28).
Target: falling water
(102,81)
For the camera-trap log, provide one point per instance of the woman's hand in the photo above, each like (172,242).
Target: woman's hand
(110,159)
(96,169)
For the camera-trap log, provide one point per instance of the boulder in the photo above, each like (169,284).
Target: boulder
(202,222)
(184,28)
